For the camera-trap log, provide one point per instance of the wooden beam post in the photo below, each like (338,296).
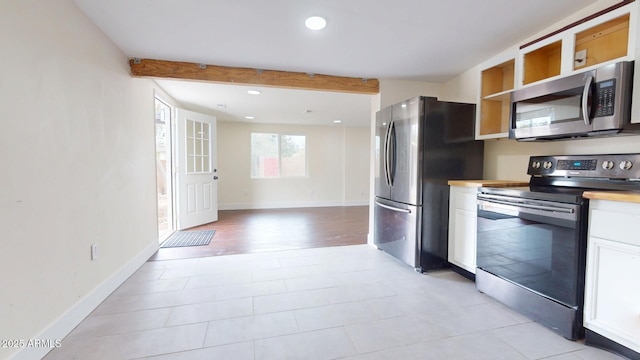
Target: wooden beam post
(248,76)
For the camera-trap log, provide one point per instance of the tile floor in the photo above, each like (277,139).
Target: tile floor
(347,302)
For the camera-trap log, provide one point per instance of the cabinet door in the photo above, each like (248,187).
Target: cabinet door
(464,253)
(462,228)
(612,293)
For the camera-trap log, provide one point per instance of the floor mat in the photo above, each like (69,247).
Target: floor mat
(188,238)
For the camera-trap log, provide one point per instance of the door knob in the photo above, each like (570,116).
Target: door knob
(215,178)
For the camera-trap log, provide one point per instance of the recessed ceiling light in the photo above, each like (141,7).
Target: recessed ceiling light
(315,23)
(249,117)
(337,121)
(254,92)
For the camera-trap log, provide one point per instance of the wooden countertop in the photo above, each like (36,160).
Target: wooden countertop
(490,183)
(624,196)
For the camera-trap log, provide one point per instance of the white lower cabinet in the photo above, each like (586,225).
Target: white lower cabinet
(462,227)
(612,288)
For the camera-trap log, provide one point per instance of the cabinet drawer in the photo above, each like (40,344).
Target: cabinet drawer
(614,225)
(465,199)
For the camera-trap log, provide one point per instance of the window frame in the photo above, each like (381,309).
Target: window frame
(279,137)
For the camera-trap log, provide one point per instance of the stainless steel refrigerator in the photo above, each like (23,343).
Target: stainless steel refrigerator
(421,143)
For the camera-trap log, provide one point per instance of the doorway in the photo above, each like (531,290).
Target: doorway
(196,185)
(164,164)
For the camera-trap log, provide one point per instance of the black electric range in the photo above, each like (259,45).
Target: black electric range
(532,241)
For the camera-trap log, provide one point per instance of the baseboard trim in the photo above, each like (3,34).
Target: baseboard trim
(62,326)
(463,272)
(592,338)
(291,205)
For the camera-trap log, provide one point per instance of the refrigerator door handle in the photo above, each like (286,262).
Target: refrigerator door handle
(407,211)
(391,152)
(387,154)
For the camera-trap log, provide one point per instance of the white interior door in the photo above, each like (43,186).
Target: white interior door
(196,177)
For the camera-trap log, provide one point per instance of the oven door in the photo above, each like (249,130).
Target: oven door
(537,245)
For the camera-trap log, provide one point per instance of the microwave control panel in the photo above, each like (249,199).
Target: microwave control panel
(605,97)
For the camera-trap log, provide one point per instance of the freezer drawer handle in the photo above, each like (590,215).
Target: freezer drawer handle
(408,211)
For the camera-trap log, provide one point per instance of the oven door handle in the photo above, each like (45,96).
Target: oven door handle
(493,200)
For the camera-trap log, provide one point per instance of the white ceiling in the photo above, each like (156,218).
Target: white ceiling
(426,40)
(273,105)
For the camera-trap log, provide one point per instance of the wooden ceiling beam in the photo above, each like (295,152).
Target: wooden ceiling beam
(247,76)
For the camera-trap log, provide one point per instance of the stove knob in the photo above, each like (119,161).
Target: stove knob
(535,164)
(547,165)
(607,165)
(626,165)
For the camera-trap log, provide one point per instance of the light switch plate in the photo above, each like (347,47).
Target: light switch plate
(94,251)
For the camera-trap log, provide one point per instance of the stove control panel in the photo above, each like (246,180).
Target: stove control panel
(589,164)
(616,166)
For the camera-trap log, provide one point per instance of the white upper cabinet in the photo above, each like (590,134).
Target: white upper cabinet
(606,37)
(497,80)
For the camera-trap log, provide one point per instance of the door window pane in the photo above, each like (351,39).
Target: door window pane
(206,164)
(198,147)
(205,131)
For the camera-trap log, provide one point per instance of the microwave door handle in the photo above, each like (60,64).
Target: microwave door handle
(586,94)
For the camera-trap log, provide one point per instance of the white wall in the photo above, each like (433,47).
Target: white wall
(337,161)
(77,163)
(357,153)
(508,159)
(394,91)
(464,88)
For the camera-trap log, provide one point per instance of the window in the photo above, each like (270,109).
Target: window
(276,155)
(198,149)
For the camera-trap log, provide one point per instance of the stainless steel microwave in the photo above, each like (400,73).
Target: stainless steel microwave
(592,103)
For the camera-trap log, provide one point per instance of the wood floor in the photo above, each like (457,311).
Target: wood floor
(249,231)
